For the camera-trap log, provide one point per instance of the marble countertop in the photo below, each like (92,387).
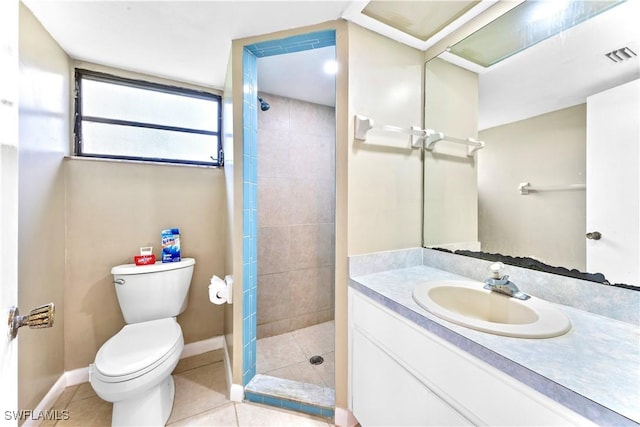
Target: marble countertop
(594,369)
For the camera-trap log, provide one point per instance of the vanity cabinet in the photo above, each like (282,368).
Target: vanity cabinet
(401,374)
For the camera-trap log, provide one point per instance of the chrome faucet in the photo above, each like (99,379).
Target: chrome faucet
(502,284)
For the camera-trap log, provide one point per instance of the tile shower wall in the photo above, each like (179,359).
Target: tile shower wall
(296,215)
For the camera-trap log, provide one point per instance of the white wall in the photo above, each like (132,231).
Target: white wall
(545,150)
(385,84)
(450,176)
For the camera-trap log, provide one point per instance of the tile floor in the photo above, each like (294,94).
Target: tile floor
(200,401)
(287,355)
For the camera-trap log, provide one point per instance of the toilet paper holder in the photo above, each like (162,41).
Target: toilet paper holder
(221,291)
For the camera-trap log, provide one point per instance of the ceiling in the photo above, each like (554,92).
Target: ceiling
(190,41)
(561,71)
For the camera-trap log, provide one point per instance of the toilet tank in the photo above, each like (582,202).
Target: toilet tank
(150,292)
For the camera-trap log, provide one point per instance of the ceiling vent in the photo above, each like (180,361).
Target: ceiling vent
(620,55)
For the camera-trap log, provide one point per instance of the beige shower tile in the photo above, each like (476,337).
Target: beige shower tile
(273,297)
(277,352)
(313,119)
(274,245)
(221,416)
(274,159)
(304,321)
(251,414)
(274,201)
(271,329)
(312,201)
(304,291)
(277,117)
(199,390)
(312,156)
(317,339)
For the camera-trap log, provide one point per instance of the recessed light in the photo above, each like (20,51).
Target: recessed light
(331,67)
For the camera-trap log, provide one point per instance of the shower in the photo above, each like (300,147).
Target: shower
(264,105)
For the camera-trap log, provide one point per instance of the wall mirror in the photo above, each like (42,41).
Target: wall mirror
(557,179)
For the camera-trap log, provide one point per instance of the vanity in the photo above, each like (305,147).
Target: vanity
(410,367)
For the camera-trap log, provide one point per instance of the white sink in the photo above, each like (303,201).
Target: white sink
(466,303)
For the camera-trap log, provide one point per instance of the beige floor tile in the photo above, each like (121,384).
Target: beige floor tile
(199,360)
(66,397)
(222,416)
(303,372)
(88,412)
(317,339)
(199,390)
(84,391)
(277,352)
(250,414)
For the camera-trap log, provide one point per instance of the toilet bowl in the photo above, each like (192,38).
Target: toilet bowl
(133,368)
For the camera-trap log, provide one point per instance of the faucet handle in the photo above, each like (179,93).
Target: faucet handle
(496,269)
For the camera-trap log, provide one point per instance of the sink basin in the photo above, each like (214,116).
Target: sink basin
(467,303)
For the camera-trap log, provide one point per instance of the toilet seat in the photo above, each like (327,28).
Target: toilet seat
(137,349)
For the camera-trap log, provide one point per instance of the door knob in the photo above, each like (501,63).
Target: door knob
(39,317)
(594,235)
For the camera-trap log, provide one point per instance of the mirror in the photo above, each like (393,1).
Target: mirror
(557,180)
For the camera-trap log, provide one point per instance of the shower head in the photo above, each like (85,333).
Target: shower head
(264,106)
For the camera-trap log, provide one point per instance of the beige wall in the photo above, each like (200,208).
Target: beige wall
(450,176)
(385,190)
(296,215)
(546,150)
(114,208)
(43,142)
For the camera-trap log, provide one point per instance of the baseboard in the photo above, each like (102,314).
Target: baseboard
(236,391)
(344,418)
(81,375)
(47,402)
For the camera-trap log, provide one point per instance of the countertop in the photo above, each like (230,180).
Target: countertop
(594,369)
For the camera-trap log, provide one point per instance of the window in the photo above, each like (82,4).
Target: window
(120,118)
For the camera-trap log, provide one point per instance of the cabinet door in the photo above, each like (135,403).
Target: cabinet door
(386,394)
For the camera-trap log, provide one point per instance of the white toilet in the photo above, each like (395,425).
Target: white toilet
(133,368)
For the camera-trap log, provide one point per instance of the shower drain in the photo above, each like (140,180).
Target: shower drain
(316,360)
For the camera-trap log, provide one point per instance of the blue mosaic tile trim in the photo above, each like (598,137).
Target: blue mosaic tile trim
(249,215)
(294,44)
(289,404)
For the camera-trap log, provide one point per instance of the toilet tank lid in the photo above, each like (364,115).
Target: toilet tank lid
(153,268)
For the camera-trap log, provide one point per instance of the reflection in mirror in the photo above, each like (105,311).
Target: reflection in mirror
(557,180)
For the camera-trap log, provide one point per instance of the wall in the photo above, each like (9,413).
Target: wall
(44,118)
(114,208)
(450,176)
(384,190)
(546,150)
(296,215)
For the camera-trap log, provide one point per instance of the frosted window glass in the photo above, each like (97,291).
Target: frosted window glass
(121,102)
(128,141)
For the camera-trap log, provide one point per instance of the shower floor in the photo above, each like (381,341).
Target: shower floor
(286,378)
(287,356)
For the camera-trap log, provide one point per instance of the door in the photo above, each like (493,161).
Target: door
(8,204)
(613,183)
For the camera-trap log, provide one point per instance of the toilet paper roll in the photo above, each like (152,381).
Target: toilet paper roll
(218,290)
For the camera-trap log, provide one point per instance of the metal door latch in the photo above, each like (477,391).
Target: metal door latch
(39,317)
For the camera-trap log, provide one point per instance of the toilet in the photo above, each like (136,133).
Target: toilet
(133,368)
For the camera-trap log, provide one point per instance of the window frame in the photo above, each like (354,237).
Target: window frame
(142,84)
